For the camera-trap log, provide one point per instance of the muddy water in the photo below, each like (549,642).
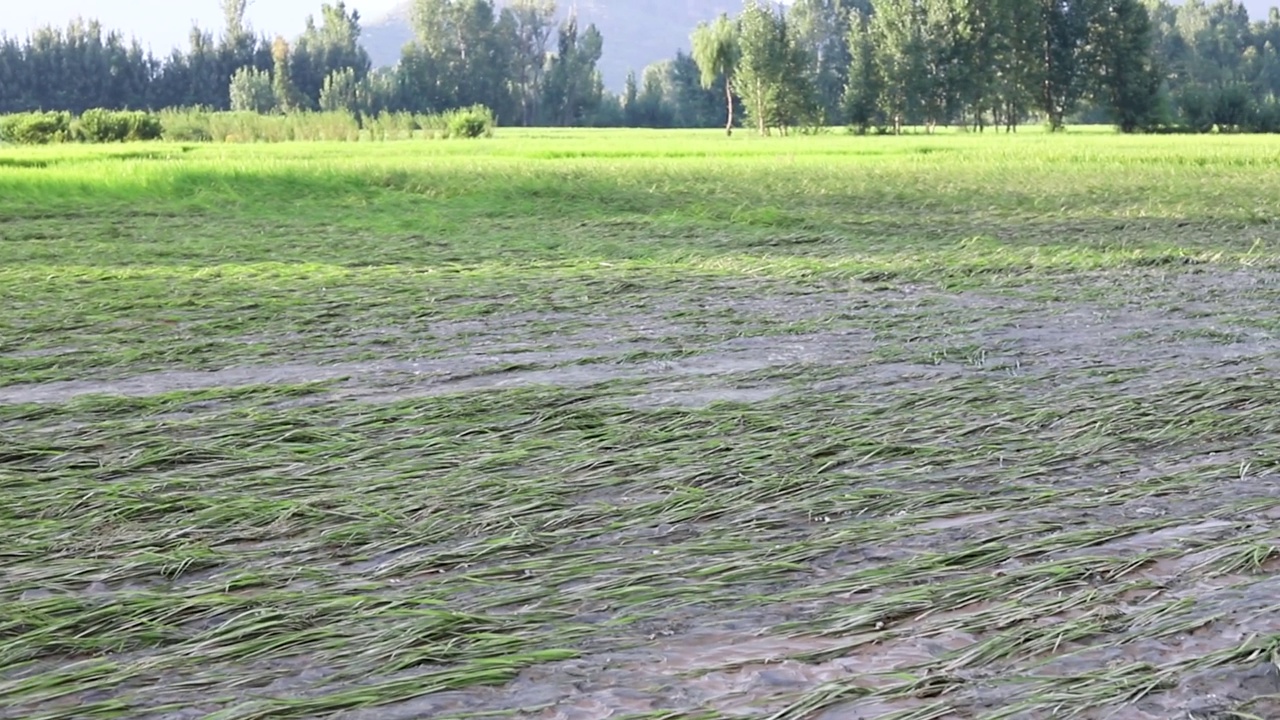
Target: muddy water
(737,675)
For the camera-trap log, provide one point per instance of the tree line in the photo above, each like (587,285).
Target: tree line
(882,64)
(519,62)
(876,65)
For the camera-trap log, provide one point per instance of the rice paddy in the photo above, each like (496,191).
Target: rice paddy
(578,425)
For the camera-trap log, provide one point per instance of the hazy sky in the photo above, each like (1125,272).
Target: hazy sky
(166,23)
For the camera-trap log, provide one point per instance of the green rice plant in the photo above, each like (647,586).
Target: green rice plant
(915,427)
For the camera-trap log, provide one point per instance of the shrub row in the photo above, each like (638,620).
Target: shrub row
(198,125)
(95,126)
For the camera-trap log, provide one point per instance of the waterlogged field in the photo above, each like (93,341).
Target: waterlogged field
(640,425)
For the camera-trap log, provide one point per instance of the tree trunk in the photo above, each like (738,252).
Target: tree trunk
(760,107)
(728,99)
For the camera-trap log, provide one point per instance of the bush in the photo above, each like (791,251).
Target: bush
(390,125)
(473,122)
(36,128)
(185,125)
(202,125)
(106,126)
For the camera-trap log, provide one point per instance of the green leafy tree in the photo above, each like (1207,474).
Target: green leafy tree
(239,48)
(322,49)
(772,74)
(459,58)
(653,106)
(693,104)
(1063,72)
(760,63)
(288,98)
(865,85)
(340,91)
(716,52)
(574,88)
(1127,78)
(378,92)
(898,31)
(821,27)
(630,99)
(530,25)
(251,91)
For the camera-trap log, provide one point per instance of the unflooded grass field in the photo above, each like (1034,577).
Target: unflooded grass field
(574,425)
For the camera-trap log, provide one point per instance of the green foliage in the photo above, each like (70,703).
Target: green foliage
(1197,107)
(286,94)
(1136,63)
(1233,109)
(391,125)
(1128,79)
(329,47)
(340,91)
(717,54)
(1266,117)
(109,126)
(573,87)
(36,128)
(197,125)
(529,25)
(822,27)
(665,379)
(252,91)
(185,125)
(862,94)
(772,79)
(473,122)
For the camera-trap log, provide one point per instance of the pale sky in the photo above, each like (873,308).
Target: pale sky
(164,24)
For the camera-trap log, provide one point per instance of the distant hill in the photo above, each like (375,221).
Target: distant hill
(636,32)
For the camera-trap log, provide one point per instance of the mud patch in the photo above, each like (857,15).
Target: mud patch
(173,381)
(703,397)
(39,353)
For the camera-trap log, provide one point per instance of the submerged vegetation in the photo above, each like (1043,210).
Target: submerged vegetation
(666,424)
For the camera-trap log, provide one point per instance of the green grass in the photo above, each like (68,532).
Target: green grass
(686,427)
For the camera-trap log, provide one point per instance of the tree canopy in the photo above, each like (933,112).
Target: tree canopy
(875,65)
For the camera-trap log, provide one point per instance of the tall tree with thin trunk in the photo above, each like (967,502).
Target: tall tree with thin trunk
(287,98)
(1128,82)
(822,29)
(531,23)
(716,51)
(902,56)
(865,85)
(233,13)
